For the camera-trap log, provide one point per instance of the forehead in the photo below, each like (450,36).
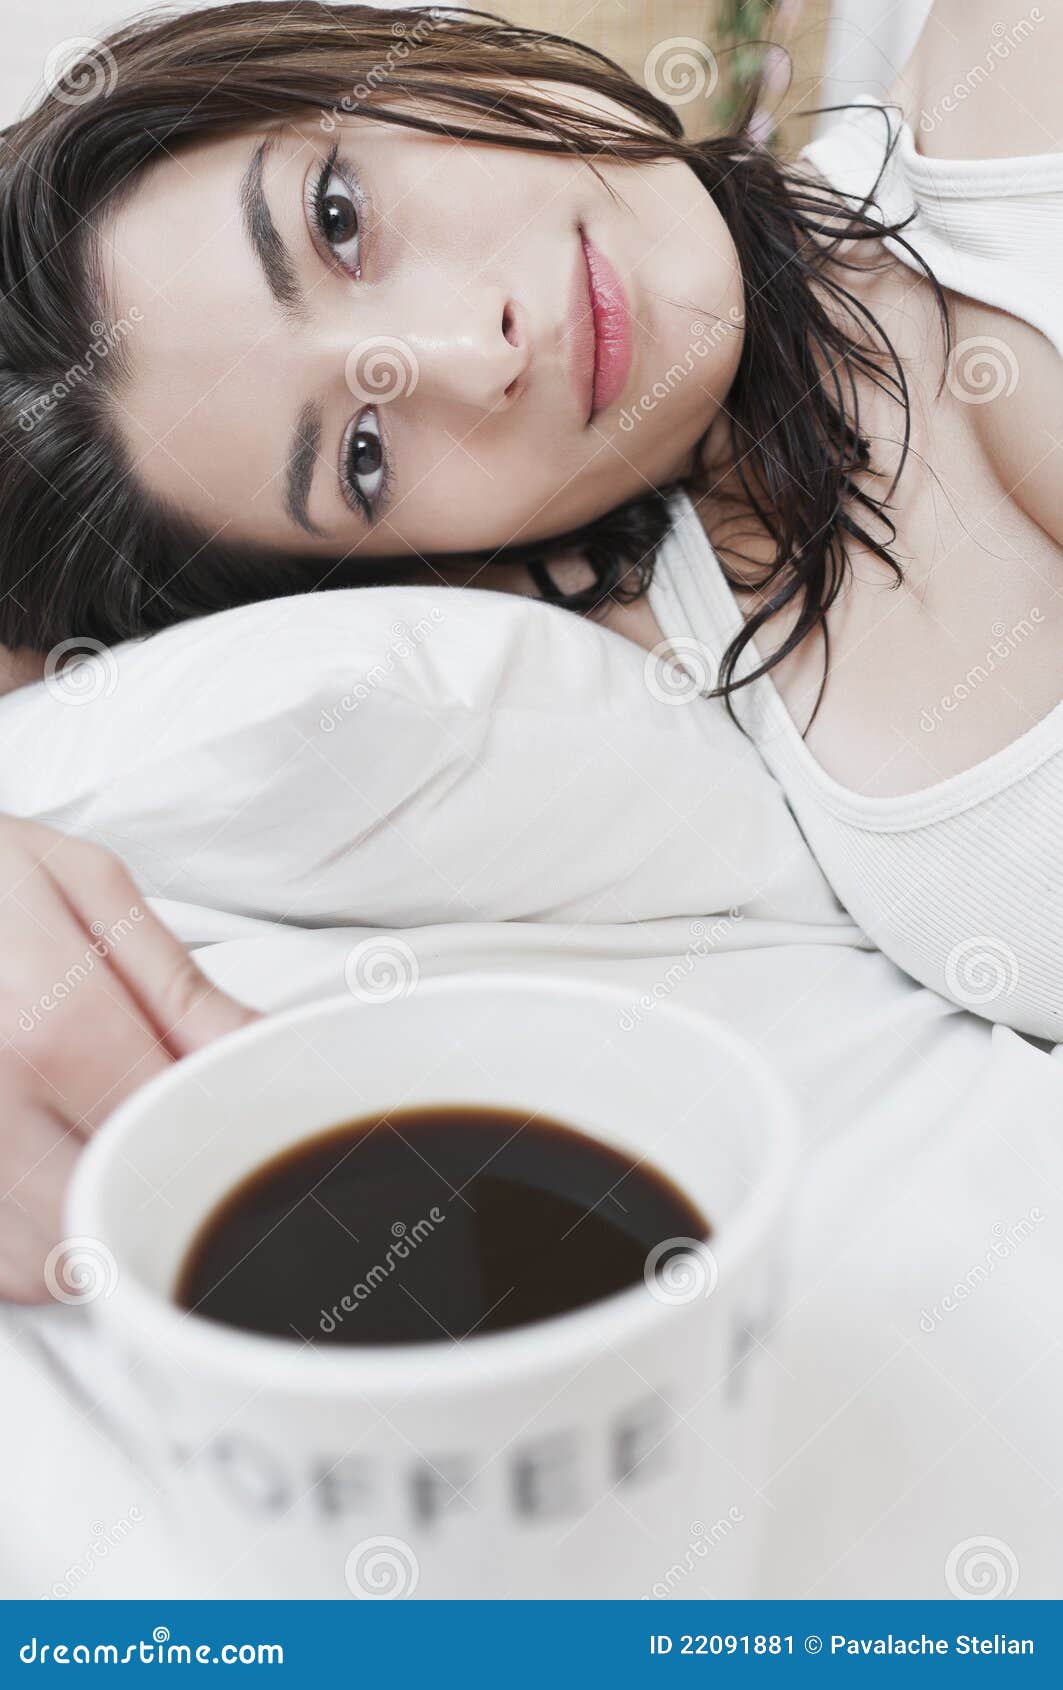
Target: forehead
(175,249)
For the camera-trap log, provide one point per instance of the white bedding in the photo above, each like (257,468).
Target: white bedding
(643,843)
(929,1136)
(404,755)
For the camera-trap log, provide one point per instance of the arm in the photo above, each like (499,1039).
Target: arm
(983,81)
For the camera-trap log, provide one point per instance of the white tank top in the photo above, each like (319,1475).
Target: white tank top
(960,883)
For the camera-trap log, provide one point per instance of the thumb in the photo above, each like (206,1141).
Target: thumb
(185,1009)
(188,1009)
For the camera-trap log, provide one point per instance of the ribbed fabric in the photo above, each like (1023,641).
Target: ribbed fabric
(988,228)
(961,883)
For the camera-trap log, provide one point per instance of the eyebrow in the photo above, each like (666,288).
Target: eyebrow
(264,236)
(302,457)
(283,284)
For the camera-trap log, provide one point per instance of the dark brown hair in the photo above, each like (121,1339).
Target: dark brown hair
(87,552)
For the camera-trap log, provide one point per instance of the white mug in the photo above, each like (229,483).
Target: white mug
(608,1452)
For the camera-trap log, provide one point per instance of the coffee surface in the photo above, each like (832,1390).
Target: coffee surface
(427,1225)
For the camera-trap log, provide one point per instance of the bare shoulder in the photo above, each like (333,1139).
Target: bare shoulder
(984,83)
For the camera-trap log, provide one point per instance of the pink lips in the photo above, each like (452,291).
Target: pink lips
(597,330)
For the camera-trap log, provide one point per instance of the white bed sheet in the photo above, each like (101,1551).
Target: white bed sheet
(932,1146)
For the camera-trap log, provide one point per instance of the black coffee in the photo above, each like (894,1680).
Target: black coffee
(427,1225)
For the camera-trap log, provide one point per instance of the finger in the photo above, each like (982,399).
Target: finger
(184,1007)
(82,1054)
(71,1035)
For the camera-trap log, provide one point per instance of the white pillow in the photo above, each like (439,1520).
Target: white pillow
(394,756)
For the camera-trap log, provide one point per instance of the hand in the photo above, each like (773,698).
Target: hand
(96,996)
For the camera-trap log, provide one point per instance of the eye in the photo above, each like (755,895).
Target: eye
(335,215)
(364,470)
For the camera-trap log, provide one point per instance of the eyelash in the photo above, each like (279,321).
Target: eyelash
(333,166)
(352,492)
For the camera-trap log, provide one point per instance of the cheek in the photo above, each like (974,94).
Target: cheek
(680,400)
(467,206)
(504,498)
(487,495)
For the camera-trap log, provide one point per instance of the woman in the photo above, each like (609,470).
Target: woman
(377,295)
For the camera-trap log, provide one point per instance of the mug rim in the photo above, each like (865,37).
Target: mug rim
(151,1318)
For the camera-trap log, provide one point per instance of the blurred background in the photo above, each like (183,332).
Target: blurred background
(836,48)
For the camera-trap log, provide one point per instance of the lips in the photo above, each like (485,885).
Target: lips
(598,331)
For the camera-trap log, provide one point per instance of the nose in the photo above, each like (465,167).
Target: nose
(468,349)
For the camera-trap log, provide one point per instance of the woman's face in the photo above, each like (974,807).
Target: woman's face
(365,338)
